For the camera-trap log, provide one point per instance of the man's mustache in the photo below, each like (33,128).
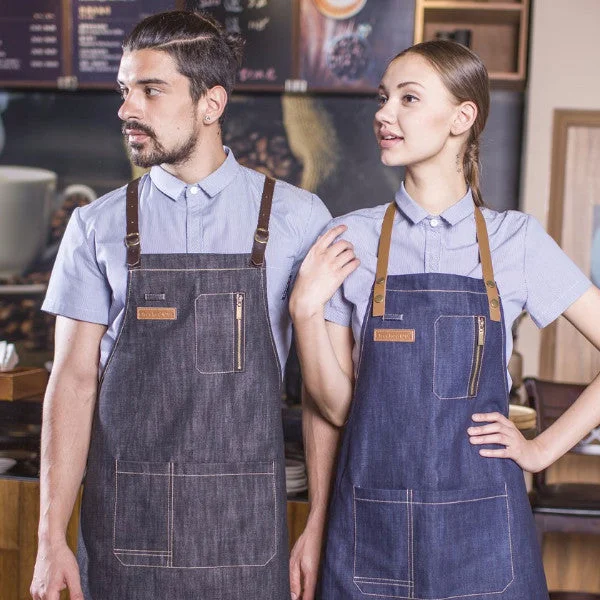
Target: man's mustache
(138,127)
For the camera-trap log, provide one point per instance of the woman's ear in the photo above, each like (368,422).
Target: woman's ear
(465,116)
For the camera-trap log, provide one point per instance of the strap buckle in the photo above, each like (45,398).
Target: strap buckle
(132,240)
(261,236)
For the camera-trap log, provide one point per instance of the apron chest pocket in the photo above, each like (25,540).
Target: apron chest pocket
(220,322)
(458,356)
(432,545)
(195,515)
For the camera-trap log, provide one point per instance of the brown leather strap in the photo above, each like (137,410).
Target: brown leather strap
(383,255)
(261,235)
(485,257)
(132,239)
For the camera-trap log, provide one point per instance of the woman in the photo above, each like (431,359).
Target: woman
(428,499)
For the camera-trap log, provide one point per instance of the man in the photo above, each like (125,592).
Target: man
(179,296)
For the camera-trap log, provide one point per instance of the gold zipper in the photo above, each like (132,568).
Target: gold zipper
(480,321)
(239,311)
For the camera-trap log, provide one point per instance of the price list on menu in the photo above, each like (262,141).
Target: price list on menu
(99,27)
(31,42)
(267,27)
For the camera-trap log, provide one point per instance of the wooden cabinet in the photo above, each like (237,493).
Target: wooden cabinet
(499,33)
(19,514)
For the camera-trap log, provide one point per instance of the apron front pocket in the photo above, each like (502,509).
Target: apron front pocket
(185,515)
(458,355)
(142,526)
(432,545)
(382,542)
(220,322)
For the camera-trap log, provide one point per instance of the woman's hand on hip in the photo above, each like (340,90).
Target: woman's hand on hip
(500,430)
(322,272)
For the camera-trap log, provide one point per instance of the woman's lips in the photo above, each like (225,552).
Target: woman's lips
(389,141)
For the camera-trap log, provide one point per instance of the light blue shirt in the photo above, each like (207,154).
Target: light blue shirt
(531,270)
(216,215)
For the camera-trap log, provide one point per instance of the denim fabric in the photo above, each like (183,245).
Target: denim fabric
(416,512)
(185,489)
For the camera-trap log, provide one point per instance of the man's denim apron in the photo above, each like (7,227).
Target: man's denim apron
(184,496)
(416,512)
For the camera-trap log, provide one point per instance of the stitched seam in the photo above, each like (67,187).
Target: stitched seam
(143,552)
(412,554)
(263,294)
(512,566)
(191,475)
(354,512)
(121,329)
(431,503)
(381,580)
(172,527)
(436,291)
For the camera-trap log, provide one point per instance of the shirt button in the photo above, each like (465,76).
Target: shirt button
(194,190)
(434,222)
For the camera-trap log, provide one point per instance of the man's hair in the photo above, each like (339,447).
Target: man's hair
(202,50)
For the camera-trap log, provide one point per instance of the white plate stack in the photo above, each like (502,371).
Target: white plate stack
(295,476)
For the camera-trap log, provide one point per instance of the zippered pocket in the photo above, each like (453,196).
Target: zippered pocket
(477,354)
(458,355)
(220,322)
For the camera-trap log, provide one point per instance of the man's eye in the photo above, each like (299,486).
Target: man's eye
(152,92)
(122,92)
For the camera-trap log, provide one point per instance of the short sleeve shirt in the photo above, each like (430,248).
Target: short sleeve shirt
(531,271)
(216,215)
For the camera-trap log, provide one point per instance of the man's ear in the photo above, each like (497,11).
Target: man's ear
(464,117)
(215,101)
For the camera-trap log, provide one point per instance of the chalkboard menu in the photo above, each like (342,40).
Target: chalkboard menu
(99,27)
(345,45)
(267,27)
(298,45)
(31,49)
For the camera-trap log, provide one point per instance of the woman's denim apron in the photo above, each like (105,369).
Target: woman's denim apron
(416,512)
(184,496)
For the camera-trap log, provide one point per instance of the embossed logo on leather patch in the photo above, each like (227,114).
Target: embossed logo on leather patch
(394,335)
(159,313)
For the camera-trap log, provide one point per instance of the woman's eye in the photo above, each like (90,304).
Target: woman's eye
(381,100)
(409,98)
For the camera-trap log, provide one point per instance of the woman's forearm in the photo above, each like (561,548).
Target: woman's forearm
(326,381)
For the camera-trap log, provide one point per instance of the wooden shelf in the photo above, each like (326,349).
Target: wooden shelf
(499,32)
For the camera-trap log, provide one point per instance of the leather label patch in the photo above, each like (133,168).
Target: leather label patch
(394,335)
(159,313)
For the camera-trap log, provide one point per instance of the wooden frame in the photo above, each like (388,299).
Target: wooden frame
(563,121)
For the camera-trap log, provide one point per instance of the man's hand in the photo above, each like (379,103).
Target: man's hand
(55,570)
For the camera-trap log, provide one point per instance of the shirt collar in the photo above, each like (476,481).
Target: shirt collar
(452,215)
(212,184)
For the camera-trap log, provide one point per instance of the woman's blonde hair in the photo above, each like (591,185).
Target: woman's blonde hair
(466,78)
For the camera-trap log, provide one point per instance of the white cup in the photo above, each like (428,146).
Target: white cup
(27,200)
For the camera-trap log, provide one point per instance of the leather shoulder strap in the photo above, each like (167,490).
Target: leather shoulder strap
(383,255)
(132,239)
(485,256)
(261,235)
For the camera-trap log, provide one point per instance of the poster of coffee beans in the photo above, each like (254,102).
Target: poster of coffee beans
(345,45)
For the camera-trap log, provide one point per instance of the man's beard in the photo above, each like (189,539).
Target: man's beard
(157,154)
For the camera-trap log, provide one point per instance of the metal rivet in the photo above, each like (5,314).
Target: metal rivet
(494,303)
(490,283)
(380,280)
(379,298)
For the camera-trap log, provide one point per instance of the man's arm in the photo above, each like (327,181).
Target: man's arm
(67,420)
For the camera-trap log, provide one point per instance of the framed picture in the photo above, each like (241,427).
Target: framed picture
(574,222)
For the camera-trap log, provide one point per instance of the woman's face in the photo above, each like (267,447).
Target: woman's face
(416,113)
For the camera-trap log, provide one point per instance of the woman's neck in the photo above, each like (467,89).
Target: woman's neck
(434,190)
